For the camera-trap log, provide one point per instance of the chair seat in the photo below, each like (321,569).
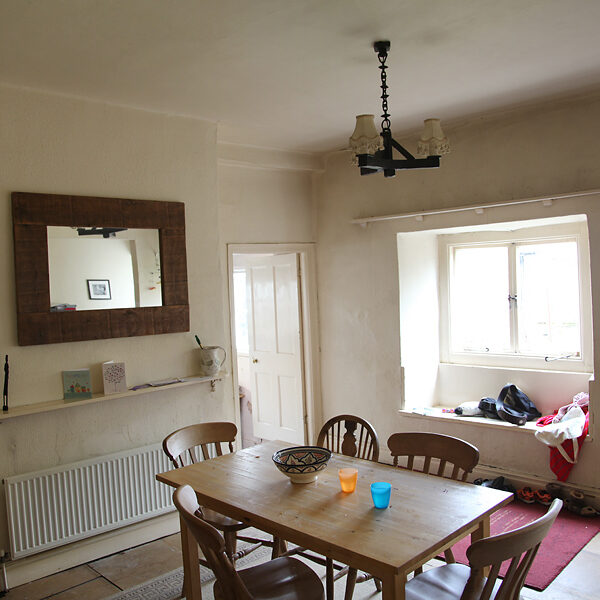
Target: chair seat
(280,579)
(442,583)
(221,522)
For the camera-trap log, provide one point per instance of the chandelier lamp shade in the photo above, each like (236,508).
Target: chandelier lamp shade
(373,151)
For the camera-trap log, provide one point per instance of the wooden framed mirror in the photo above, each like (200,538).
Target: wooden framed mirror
(33,214)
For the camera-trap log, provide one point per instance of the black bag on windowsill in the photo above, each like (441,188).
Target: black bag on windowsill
(512,405)
(488,407)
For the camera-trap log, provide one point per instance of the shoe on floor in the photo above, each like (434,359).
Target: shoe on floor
(581,509)
(542,497)
(526,495)
(555,490)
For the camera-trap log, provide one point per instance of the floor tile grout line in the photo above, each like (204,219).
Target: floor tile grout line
(73,587)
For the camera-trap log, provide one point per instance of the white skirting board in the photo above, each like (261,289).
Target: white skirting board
(519,480)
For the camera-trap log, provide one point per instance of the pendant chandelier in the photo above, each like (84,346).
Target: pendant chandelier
(373,151)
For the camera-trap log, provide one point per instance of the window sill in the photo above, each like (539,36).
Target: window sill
(435,412)
(558,368)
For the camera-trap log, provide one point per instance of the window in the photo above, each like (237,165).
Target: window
(518,299)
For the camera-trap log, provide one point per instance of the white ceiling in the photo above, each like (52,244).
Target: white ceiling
(294,73)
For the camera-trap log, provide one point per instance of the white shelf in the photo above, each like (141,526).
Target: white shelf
(52,405)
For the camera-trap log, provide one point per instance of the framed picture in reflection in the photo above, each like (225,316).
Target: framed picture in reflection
(99,289)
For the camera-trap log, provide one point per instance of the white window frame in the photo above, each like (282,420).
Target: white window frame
(565,231)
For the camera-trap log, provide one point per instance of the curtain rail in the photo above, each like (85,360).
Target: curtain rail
(478,208)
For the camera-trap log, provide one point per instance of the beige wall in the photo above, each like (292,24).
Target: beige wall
(516,155)
(59,145)
(259,204)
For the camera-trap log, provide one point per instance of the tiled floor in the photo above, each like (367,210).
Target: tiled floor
(105,577)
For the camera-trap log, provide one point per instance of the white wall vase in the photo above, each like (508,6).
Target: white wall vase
(211,359)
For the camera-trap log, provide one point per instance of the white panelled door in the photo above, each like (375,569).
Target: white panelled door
(275,347)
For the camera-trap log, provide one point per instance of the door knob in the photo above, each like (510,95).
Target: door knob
(255,360)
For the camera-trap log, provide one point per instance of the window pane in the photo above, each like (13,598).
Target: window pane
(479,309)
(548,298)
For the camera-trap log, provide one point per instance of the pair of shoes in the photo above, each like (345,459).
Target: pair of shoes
(530,496)
(582,510)
(542,497)
(575,503)
(526,495)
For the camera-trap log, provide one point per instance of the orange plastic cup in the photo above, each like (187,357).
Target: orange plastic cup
(348,479)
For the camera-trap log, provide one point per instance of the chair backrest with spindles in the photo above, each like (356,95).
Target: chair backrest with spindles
(212,544)
(182,446)
(519,546)
(449,451)
(351,436)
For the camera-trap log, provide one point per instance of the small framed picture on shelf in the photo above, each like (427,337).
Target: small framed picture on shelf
(99,289)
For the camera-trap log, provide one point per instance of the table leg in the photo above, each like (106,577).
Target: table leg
(482,531)
(393,586)
(191,572)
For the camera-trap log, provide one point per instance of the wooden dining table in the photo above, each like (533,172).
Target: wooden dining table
(426,515)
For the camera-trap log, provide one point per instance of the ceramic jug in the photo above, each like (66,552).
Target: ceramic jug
(211,359)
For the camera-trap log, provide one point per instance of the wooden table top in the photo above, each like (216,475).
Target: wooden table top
(426,513)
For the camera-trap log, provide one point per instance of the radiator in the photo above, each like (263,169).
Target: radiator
(57,506)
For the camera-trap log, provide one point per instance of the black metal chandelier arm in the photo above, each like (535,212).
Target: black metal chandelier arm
(372,164)
(401,149)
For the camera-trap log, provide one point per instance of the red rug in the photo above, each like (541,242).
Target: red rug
(569,534)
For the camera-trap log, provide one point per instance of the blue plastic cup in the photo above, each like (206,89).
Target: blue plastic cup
(380,492)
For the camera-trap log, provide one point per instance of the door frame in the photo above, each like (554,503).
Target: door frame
(309,331)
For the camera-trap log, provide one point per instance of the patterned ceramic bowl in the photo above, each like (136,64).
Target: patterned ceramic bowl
(301,463)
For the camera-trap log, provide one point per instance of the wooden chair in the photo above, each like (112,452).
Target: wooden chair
(359,439)
(455,581)
(448,453)
(283,578)
(202,442)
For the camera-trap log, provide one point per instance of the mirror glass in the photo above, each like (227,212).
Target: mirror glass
(94,268)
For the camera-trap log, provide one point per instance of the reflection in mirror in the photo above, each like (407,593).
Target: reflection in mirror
(82,260)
